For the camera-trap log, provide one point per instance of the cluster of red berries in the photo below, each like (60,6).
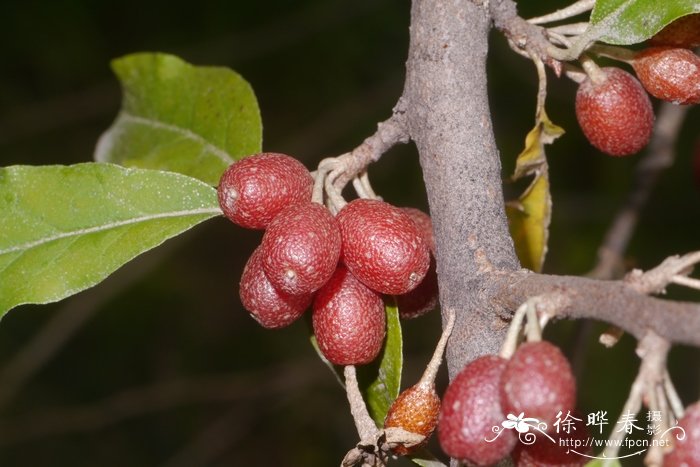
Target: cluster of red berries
(339,265)
(613,108)
(536,382)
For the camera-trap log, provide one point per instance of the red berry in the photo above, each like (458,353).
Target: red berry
(538,381)
(425,226)
(470,409)
(558,453)
(382,246)
(686,452)
(671,74)
(683,32)
(615,114)
(415,410)
(270,307)
(423,298)
(349,320)
(253,190)
(301,248)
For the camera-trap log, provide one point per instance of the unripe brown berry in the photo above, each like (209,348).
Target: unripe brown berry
(253,190)
(301,248)
(538,381)
(415,410)
(270,307)
(686,452)
(470,409)
(683,32)
(349,320)
(671,74)
(382,246)
(615,113)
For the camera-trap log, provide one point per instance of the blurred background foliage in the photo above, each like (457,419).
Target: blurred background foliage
(159,365)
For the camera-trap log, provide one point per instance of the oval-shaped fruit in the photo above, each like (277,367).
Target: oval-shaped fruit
(686,452)
(538,381)
(470,410)
(267,305)
(615,114)
(424,224)
(349,320)
(253,190)
(683,32)
(423,298)
(382,246)
(671,74)
(301,248)
(415,410)
(569,449)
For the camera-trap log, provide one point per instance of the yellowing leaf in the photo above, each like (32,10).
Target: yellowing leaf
(529,216)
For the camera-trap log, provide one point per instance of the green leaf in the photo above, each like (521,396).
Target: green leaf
(181,118)
(529,216)
(425,458)
(627,22)
(65,228)
(380,382)
(604,463)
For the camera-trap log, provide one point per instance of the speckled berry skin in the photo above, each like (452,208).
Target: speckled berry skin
(415,410)
(424,224)
(253,190)
(545,453)
(671,74)
(686,452)
(301,248)
(382,246)
(470,409)
(538,381)
(349,320)
(268,306)
(423,298)
(683,32)
(615,115)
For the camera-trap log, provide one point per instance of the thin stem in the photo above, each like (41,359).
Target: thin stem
(686,281)
(428,378)
(673,399)
(571,29)
(611,51)
(366,428)
(574,9)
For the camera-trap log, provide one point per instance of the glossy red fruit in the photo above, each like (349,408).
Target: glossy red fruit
(267,305)
(470,409)
(253,190)
(301,248)
(382,246)
(349,320)
(683,32)
(415,410)
(538,381)
(686,452)
(615,114)
(558,453)
(671,74)
(423,298)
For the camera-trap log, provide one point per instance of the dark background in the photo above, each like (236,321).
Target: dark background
(159,365)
